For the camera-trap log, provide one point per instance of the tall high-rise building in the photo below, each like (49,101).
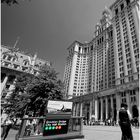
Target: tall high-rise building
(78,70)
(106,69)
(125,30)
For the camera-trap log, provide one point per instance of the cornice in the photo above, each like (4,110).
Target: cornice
(127,86)
(115,90)
(107,92)
(86,97)
(86,44)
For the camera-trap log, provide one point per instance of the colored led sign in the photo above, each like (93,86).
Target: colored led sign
(55,127)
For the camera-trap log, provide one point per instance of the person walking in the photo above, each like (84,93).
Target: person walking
(124,118)
(135,116)
(7,126)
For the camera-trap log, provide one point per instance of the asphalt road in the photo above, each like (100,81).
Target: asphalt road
(95,133)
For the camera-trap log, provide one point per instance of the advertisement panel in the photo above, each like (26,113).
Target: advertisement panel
(59,106)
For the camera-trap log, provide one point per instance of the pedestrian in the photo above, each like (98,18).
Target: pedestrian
(135,116)
(7,126)
(109,121)
(124,118)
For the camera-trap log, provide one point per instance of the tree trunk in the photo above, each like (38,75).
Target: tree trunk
(34,114)
(46,108)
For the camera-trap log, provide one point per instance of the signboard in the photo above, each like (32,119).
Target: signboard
(55,127)
(59,106)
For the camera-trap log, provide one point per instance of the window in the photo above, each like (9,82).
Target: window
(116,11)
(130,78)
(16,66)
(111,33)
(14,59)
(79,49)
(98,42)
(74,94)
(129,72)
(129,66)
(133,99)
(102,39)
(127,1)
(9,58)
(24,68)
(122,81)
(123,94)
(124,100)
(25,62)
(122,6)
(4,56)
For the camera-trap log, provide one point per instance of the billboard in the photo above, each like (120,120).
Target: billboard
(59,106)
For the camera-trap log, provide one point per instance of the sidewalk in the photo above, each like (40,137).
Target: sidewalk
(95,133)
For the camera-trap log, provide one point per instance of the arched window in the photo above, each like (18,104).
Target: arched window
(25,62)
(4,56)
(14,59)
(127,1)
(9,58)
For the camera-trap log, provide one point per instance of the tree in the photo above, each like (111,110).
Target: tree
(9,2)
(32,93)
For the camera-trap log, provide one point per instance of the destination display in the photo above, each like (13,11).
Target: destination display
(55,127)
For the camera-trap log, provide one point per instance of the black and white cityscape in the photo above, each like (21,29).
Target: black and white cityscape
(55,85)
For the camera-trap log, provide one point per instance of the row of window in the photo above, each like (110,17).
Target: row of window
(130,79)
(121,7)
(14,59)
(18,67)
(132,99)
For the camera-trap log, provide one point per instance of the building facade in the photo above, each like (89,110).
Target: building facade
(103,73)
(13,63)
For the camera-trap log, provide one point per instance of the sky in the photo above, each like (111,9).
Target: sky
(49,27)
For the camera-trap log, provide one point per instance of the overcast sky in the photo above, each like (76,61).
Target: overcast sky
(49,27)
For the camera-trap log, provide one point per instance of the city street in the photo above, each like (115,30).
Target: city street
(95,133)
(69,69)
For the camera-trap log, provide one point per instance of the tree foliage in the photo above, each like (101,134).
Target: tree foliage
(32,93)
(9,2)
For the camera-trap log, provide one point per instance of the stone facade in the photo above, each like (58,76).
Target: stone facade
(13,63)
(104,105)
(103,73)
